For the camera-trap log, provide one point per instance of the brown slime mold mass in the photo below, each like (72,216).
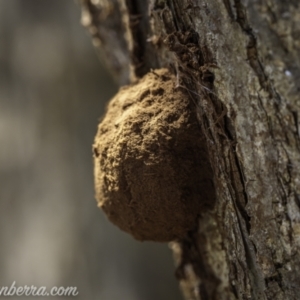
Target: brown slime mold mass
(152,174)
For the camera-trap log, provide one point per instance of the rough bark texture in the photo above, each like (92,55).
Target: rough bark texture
(240,62)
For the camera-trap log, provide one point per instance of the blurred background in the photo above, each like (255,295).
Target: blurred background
(53,90)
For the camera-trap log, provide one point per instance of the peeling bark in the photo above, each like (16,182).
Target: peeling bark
(239,61)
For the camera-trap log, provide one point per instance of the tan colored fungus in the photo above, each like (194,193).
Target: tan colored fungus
(152,174)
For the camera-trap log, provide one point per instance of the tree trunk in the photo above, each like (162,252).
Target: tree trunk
(240,62)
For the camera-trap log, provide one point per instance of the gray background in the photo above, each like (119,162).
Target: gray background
(53,90)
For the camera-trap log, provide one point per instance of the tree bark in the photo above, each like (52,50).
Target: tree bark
(240,62)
